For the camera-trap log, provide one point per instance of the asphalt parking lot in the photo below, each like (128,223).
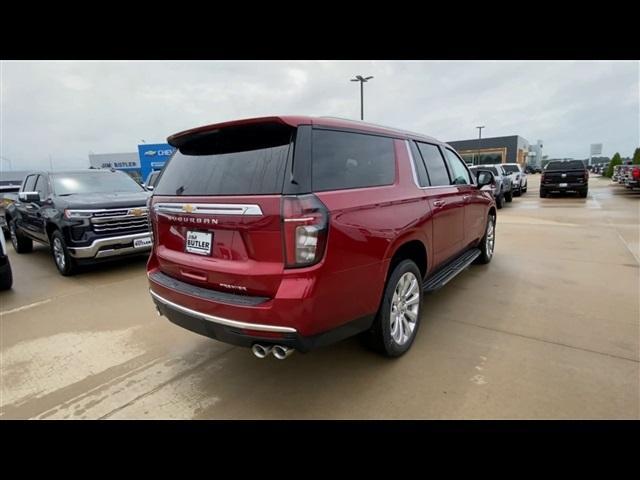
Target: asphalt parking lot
(550,329)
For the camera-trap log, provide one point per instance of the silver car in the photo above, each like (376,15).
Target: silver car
(502,189)
(518,177)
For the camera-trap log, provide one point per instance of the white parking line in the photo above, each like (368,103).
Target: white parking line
(628,247)
(24,307)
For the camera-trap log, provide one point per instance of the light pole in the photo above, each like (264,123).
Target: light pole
(479,138)
(362,80)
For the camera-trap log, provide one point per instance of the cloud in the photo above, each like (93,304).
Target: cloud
(66,109)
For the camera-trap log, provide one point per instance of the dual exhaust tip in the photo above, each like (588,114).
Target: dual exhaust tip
(279,351)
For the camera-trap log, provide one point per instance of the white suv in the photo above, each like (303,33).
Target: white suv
(518,178)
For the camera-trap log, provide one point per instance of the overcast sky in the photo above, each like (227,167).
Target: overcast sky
(68,109)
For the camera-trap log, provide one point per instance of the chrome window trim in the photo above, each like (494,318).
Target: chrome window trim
(210,208)
(223,321)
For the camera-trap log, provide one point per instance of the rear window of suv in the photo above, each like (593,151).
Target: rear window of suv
(245,160)
(343,160)
(568,165)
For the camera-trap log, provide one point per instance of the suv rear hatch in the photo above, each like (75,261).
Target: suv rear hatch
(217,208)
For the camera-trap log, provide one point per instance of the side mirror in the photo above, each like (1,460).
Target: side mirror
(484,178)
(29,197)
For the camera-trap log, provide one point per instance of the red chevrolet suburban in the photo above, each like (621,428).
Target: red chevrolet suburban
(288,233)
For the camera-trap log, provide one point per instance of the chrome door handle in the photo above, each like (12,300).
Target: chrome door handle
(438,203)
(466,197)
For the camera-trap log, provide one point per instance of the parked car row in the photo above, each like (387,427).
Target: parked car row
(627,175)
(599,169)
(510,181)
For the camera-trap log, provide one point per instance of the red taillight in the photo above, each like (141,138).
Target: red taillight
(636,173)
(305,222)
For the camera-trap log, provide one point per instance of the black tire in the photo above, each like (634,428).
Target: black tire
(583,193)
(487,247)
(380,337)
(6,277)
(543,193)
(500,201)
(508,197)
(65,264)
(21,244)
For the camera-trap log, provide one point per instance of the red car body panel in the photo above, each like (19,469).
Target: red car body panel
(366,228)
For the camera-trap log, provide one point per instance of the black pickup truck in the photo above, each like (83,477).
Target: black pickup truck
(566,176)
(84,216)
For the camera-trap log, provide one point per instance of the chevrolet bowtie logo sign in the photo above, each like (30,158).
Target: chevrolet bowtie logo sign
(136,212)
(188,208)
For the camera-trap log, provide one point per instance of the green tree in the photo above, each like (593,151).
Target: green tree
(636,157)
(616,160)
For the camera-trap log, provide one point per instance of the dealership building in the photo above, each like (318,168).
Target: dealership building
(140,164)
(511,149)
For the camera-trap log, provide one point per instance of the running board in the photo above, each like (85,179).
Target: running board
(450,270)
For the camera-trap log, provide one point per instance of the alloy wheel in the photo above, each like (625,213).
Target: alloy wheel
(58,253)
(404,308)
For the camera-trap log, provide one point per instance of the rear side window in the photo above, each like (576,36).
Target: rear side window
(342,160)
(421,171)
(247,160)
(434,162)
(30,183)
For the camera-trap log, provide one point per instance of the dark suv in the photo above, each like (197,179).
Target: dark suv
(84,215)
(286,233)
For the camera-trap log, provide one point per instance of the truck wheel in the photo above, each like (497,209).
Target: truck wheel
(488,242)
(500,201)
(543,194)
(21,244)
(583,193)
(508,197)
(64,262)
(396,323)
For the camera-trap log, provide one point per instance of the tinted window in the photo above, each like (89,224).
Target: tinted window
(93,182)
(30,183)
(434,163)
(511,168)
(459,173)
(421,171)
(569,165)
(41,186)
(351,160)
(249,160)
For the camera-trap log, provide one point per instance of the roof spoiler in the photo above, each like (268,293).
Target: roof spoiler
(178,140)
